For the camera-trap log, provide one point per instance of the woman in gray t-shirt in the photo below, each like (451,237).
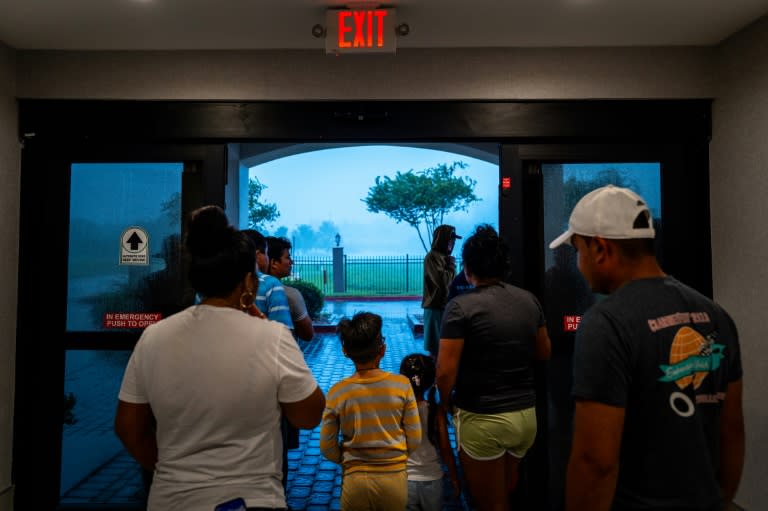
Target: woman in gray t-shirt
(490,338)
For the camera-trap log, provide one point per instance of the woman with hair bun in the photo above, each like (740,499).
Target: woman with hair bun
(490,338)
(215,379)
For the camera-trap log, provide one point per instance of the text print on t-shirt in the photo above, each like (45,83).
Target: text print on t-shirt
(691,358)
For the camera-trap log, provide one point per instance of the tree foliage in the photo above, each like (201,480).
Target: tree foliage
(422,198)
(306,239)
(171,209)
(575,188)
(326,234)
(303,238)
(313,297)
(259,213)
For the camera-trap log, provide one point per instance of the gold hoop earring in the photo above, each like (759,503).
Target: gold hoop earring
(246,300)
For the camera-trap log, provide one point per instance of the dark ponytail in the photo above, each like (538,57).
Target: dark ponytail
(220,256)
(486,255)
(420,370)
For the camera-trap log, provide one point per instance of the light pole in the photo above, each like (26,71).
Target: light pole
(339,282)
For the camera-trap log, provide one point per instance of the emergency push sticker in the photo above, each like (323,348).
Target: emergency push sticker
(571,323)
(130,319)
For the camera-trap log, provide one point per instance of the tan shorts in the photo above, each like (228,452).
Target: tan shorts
(374,491)
(484,436)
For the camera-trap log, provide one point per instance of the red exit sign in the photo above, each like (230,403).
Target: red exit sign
(360,31)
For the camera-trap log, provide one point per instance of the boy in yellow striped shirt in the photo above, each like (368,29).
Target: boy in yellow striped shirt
(371,422)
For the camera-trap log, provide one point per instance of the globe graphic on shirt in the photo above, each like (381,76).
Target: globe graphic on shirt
(687,343)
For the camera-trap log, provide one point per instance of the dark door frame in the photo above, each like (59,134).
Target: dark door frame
(41,337)
(677,131)
(57,132)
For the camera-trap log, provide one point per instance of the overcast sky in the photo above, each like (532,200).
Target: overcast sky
(326,185)
(330,184)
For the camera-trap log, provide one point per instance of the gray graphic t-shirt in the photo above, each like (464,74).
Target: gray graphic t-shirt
(666,354)
(499,324)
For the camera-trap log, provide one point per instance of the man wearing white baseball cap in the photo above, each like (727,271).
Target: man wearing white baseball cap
(658,422)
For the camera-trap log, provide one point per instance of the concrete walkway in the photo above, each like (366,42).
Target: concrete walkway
(314,483)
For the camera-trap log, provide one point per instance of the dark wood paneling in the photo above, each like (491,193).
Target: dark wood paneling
(574,121)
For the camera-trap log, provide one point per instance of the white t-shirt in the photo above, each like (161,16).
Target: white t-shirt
(214,377)
(424,463)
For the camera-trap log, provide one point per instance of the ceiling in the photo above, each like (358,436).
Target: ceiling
(287,24)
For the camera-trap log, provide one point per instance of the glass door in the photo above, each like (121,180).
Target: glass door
(75,309)
(124,273)
(565,294)
(123,218)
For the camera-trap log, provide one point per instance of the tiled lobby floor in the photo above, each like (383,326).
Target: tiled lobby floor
(314,483)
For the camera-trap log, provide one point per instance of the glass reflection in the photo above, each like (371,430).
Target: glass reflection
(95,468)
(107,199)
(566,294)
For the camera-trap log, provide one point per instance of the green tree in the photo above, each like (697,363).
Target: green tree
(423,197)
(326,234)
(259,213)
(303,238)
(313,297)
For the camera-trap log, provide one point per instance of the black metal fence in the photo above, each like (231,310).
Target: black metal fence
(365,275)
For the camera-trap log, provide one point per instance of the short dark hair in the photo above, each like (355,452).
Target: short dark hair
(361,336)
(220,256)
(258,239)
(486,255)
(634,248)
(277,246)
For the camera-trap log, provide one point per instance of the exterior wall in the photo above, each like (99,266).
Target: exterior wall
(9,262)
(739,180)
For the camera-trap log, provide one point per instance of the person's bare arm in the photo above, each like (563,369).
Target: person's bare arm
(593,468)
(543,348)
(135,427)
(446,450)
(411,423)
(303,328)
(448,359)
(305,414)
(732,444)
(329,436)
(255,311)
